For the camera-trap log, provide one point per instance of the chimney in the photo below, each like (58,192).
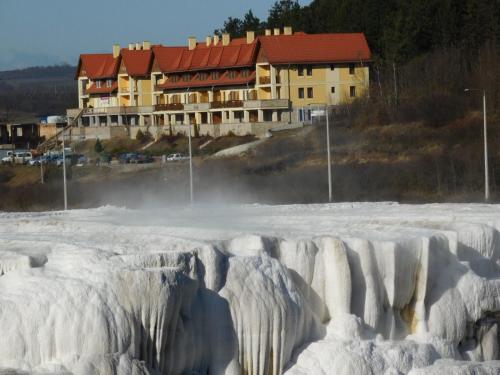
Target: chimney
(146,45)
(131,46)
(226,38)
(216,40)
(277,31)
(191,43)
(268,32)
(138,46)
(209,41)
(116,50)
(250,37)
(288,30)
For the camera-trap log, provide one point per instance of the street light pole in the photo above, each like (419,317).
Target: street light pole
(328,153)
(64,174)
(486,169)
(485,132)
(191,199)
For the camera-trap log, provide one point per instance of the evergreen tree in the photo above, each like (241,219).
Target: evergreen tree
(98,146)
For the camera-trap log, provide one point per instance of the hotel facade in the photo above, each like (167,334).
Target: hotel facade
(221,85)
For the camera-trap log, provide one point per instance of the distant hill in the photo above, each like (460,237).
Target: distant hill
(38,91)
(40,72)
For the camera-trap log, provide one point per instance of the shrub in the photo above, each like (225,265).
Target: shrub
(98,146)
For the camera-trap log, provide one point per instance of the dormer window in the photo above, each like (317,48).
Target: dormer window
(174,78)
(245,73)
(215,75)
(203,76)
(109,83)
(98,84)
(232,74)
(186,77)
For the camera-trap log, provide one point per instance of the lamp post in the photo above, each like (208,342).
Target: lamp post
(328,154)
(191,198)
(485,132)
(325,112)
(64,173)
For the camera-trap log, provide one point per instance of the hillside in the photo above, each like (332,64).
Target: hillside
(39,91)
(406,162)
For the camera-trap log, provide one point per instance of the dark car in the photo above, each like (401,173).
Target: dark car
(127,158)
(142,159)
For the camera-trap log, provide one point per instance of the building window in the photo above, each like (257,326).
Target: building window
(98,84)
(351,69)
(215,75)
(333,89)
(234,95)
(203,76)
(186,77)
(301,93)
(174,78)
(300,70)
(352,91)
(310,92)
(309,71)
(245,73)
(232,74)
(108,83)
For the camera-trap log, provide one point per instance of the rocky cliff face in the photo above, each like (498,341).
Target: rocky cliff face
(318,289)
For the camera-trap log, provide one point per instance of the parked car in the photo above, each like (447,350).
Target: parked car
(38,160)
(177,157)
(81,160)
(22,157)
(141,159)
(8,158)
(126,158)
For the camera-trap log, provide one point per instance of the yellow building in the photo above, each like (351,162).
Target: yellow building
(223,84)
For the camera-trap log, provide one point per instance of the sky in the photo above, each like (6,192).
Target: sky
(47,32)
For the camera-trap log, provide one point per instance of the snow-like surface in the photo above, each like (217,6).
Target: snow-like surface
(307,289)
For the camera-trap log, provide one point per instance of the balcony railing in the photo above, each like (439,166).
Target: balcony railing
(227,104)
(169,107)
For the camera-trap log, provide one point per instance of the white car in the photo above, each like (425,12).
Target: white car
(177,157)
(9,158)
(22,157)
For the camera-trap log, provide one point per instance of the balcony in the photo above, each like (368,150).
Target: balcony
(123,110)
(169,107)
(227,104)
(266,104)
(193,107)
(264,80)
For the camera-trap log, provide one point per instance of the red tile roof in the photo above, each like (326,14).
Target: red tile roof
(98,65)
(224,80)
(180,59)
(104,89)
(137,62)
(315,48)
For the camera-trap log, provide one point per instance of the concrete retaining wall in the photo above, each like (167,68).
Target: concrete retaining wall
(214,130)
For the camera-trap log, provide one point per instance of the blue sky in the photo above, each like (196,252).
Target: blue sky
(44,32)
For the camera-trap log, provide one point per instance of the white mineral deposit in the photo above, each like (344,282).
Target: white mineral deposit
(361,288)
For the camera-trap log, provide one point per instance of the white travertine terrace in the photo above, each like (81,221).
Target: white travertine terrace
(354,288)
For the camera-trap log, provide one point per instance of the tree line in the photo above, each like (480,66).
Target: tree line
(396,30)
